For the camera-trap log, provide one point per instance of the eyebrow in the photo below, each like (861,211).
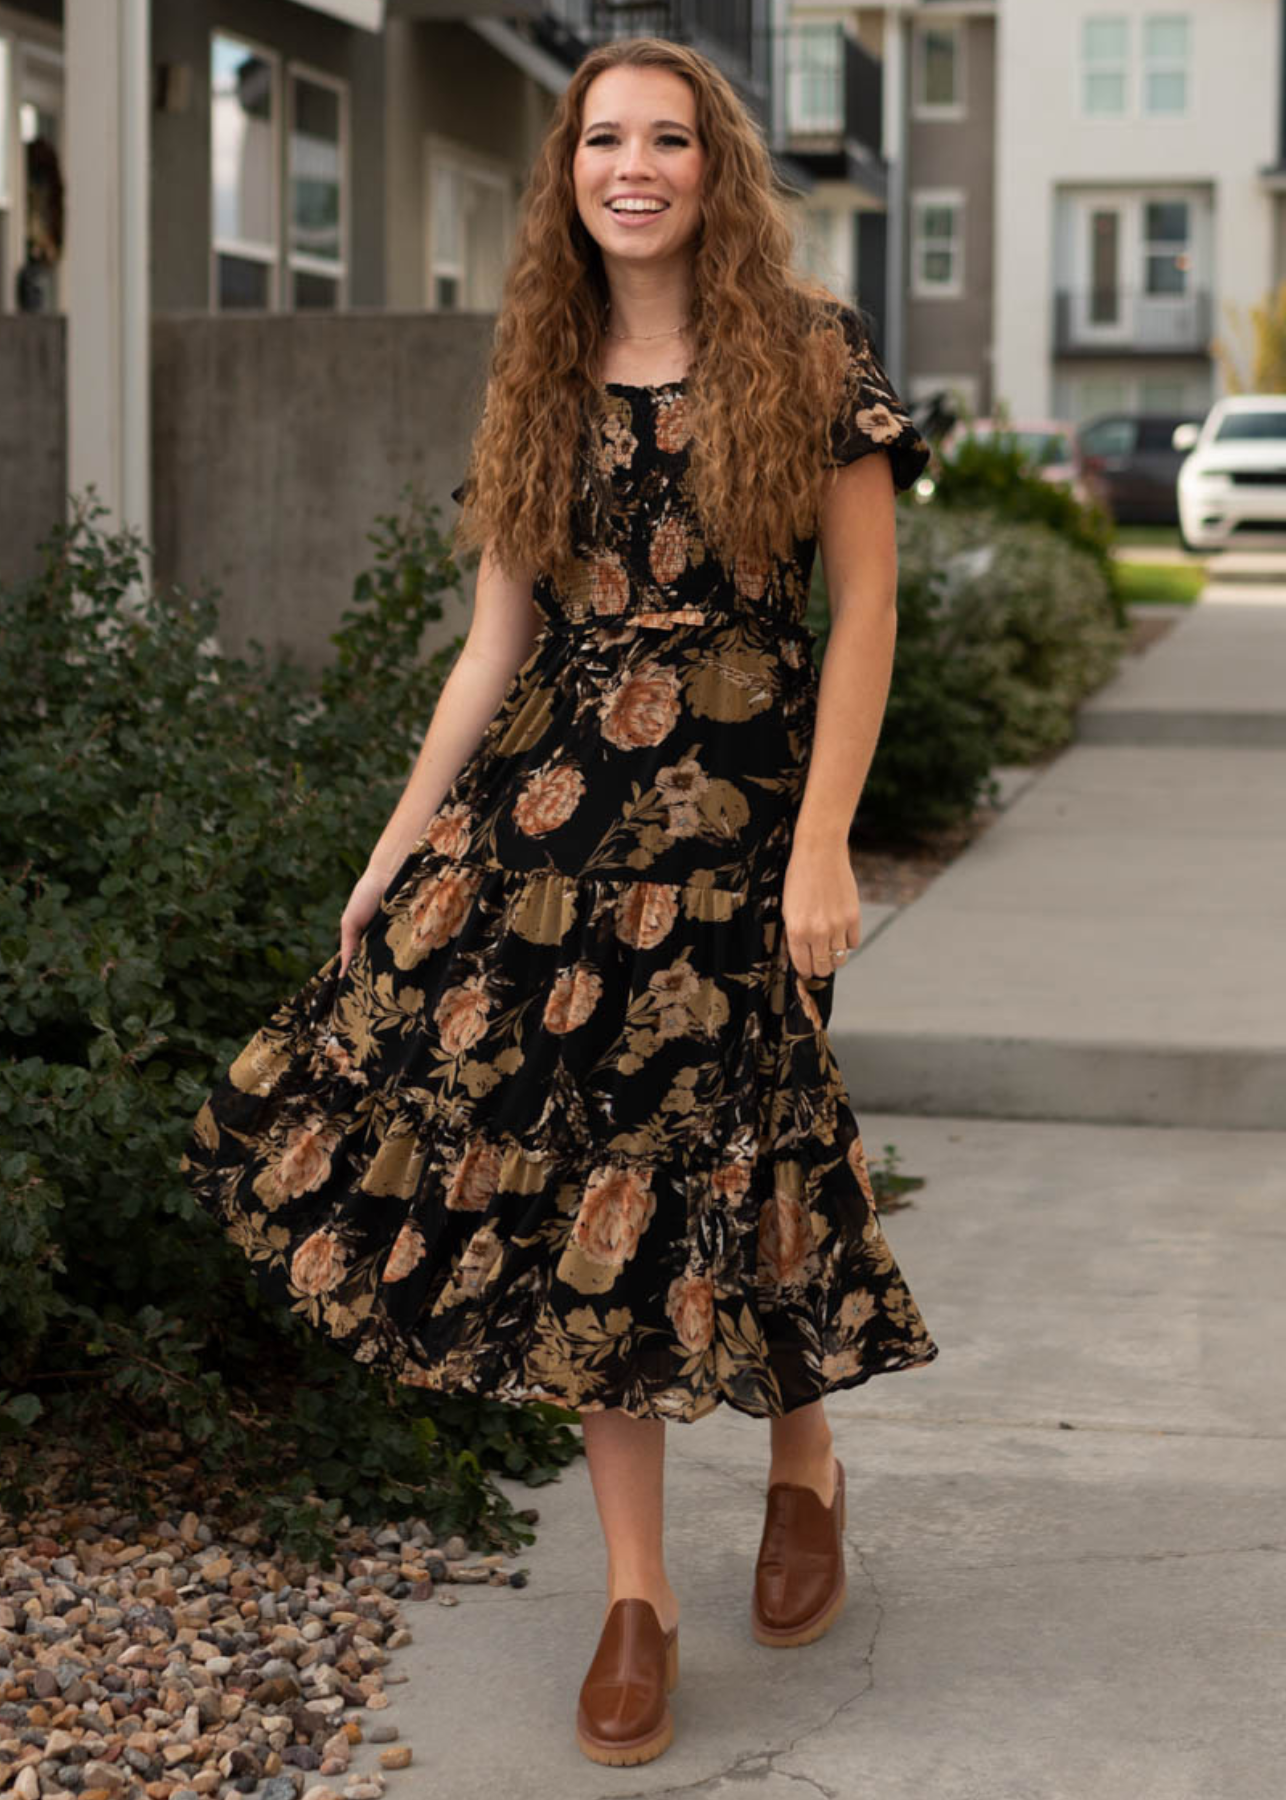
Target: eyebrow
(615,124)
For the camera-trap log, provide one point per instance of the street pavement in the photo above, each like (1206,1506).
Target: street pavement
(1112,948)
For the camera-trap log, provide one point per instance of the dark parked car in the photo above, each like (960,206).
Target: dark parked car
(1136,463)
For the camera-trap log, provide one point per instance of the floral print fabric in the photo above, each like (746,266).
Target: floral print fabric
(569,1127)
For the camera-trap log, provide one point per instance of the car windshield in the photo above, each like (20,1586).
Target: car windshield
(1042,447)
(1251,425)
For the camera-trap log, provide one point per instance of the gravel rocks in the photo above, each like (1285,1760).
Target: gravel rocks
(178,1660)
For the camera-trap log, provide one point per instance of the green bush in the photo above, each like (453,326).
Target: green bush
(181,830)
(1003,628)
(994,476)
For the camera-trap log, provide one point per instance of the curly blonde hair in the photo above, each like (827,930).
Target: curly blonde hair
(767,365)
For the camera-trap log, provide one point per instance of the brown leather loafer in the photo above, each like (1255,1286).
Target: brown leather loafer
(623,1715)
(800,1579)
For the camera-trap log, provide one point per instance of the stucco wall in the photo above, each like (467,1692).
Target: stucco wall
(277,441)
(33,439)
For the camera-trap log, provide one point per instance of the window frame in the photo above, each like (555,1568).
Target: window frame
(921,107)
(299,261)
(1136,65)
(440,150)
(921,199)
(284,263)
(1154,65)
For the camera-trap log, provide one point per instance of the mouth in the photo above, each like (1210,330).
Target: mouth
(636,214)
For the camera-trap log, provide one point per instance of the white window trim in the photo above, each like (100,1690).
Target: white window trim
(271,258)
(298,261)
(921,198)
(928,109)
(1165,65)
(1081,67)
(494,170)
(1136,66)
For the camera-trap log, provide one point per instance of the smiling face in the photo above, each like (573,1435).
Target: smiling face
(638,163)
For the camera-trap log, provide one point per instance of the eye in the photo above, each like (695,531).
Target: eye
(666,137)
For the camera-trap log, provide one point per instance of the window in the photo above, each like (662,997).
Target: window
(1165,65)
(318,134)
(1161,394)
(243,172)
(937,250)
(1110,87)
(470,206)
(1167,262)
(938,72)
(1105,52)
(1110,437)
(816,78)
(252,158)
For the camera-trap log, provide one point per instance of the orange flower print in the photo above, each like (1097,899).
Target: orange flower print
(318,1263)
(787,1253)
(609,585)
(673,428)
(857,1162)
(751,576)
(645,912)
(615,1206)
(878,423)
(438,910)
(475,1177)
(572,998)
(408,1251)
(448,831)
(461,1015)
(731,1181)
(548,799)
(340,1058)
(668,550)
(642,709)
(690,1305)
(304,1165)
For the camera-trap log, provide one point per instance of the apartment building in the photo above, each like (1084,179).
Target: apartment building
(1135,205)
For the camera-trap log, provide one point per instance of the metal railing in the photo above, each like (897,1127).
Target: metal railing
(1087,320)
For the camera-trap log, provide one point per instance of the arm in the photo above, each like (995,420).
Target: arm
(500,637)
(858,542)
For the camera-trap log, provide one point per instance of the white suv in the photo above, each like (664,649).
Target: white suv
(1232,487)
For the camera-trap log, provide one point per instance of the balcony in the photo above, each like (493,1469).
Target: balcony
(1130,322)
(830,105)
(726,30)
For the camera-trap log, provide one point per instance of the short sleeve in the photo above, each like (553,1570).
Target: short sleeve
(870,415)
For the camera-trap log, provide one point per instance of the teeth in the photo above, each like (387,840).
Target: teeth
(637,205)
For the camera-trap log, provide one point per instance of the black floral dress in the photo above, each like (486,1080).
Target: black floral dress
(569,1127)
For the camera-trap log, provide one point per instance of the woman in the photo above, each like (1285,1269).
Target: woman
(560,1120)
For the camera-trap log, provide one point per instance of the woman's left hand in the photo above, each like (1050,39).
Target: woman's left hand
(821,910)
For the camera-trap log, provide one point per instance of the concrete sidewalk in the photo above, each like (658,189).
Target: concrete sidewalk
(1112,948)
(1067,1561)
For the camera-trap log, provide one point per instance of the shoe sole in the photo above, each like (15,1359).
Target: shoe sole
(621,1753)
(819,1624)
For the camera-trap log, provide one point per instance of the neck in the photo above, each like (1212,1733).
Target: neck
(644,302)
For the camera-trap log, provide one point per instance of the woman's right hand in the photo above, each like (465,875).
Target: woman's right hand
(357,915)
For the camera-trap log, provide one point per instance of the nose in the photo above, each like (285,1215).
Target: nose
(634,160)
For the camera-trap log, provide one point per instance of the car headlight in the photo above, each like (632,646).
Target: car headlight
(1212,478)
